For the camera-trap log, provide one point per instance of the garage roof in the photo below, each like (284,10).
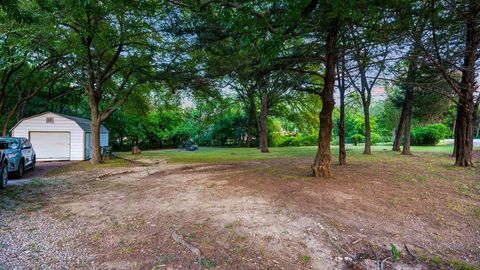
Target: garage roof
(83,123)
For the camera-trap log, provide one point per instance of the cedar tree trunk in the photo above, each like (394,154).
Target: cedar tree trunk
(399,132)
(368,129)
(321,165)
(407,106)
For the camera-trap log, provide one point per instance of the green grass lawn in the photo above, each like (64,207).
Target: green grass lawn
(217,154)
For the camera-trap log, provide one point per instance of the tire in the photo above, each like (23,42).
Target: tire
(4,177)
(34,163)
(21,169)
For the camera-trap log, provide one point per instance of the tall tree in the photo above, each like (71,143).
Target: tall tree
(367,64)
(110,44)
(448,23)
(342,88)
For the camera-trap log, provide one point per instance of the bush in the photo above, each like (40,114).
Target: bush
(302,140)
(357,138)
(443,129)
(429,135)
(376,138)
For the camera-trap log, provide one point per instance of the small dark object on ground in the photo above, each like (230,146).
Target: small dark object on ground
(106,152)
(136,150)
(189,146)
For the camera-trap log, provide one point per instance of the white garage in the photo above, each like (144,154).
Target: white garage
(58,136)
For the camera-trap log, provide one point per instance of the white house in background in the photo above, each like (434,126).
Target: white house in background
(59,137)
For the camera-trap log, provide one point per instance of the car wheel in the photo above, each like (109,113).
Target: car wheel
(21,169)
(4,177)
(34,163)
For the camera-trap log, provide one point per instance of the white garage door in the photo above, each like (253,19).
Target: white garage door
(51,145)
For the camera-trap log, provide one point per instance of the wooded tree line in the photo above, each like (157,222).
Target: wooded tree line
(117,61)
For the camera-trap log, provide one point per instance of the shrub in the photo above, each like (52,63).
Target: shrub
(357,138)
(444,130)
(429,135)
(376,138)
(302,140)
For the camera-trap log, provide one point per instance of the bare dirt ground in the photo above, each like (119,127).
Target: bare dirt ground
(249,215)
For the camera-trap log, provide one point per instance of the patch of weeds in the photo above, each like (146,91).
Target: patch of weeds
(395,252)
(461,265)
(11,193)
(165,258)
(476,212)
(335,225)
(211,185)
(304,260)
(238,249)
(38,183)
(127,249)
(207,263)
(464,190)
(35,206)
(191,235)
(437,260)
(456,206)
(228,261)
(82,264)
(96,236)
(228,226)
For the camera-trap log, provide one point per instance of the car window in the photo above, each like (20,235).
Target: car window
(9,144)
(25,143)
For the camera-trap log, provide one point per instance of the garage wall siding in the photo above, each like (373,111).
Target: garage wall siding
(39,123)
(103,139)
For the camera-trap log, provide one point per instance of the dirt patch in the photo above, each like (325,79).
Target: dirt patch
(253,215)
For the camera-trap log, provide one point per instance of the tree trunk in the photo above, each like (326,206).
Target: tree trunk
(21,111)
(263,124)
(466,105)
(464,137)
(321,165)
(408,123)
(399,132)
(407,106)
(251,119)
(95,125)
(368,129)
(342,153)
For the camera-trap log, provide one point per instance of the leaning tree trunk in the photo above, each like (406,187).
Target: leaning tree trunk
(321,165)
(399,132)
(368,129)
(263,124)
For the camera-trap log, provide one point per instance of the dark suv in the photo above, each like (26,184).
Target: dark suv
(3,169)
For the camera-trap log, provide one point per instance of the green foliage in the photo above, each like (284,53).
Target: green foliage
(395,252)
(429,135)
(357,138)
(207,263)
(296,140)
